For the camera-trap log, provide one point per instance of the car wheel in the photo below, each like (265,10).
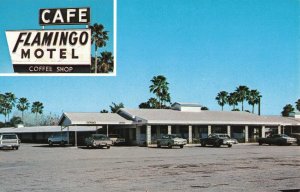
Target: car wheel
(203,144)
(50,143)
(16,148)
(217,144)
(158,145)
(181,146)
(260,143)
(169,145)
(108,146)
(62,143)
(229,145)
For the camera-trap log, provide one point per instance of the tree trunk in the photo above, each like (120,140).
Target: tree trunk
(96,60)
(242,105)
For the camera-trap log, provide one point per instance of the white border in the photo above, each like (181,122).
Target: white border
(82,74)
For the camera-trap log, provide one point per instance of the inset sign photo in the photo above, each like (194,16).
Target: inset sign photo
(63,41)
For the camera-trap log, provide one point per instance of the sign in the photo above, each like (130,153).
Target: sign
(50,51)
(64,16)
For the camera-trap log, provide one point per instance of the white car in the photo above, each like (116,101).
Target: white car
(171,140)
(9,141)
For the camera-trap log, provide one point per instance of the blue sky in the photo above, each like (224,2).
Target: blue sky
(201,46)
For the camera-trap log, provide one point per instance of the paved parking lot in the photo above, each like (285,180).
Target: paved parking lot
(244,167)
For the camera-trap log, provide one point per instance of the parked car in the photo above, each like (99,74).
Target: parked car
(171,140)
(9,141)
(297,136)
(217,139)
(60,138)
(98,140)
(116,139)
(277,139)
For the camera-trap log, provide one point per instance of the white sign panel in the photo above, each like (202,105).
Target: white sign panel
(50,47)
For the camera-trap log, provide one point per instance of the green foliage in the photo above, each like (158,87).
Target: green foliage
(115,107)
(99,38)
(287,109)
(298,104)
(103,111)
(222,98)
(160,88)
(152,103)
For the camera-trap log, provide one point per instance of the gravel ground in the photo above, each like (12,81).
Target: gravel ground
(244,167)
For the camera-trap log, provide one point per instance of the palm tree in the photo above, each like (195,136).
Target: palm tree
(7,102)
(11,100)
(99,37)
(287,109)
(22,106)
(242,92)
(106,62)
(298,105)
(103,111)
(232,99)
(253,98)
(115,107)
(3,106)
(222,98)
(160,88)
(37,108)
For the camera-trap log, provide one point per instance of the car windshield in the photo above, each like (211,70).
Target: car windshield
(9,137)
(100,137)
(283,135)
(174,136)
(224,136)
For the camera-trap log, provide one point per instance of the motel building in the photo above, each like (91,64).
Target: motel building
(144,126)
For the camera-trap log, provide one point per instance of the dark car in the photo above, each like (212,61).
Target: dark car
(277,139)
(216,140)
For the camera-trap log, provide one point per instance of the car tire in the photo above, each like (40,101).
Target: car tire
(62,143)
(158,145)
(181,146)
(50,143)
(217,144)
(259,143)
(16,148)
(229,145)
(108,146)
(169,145)
(203,144)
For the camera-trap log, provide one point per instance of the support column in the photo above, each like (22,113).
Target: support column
(148,140)
(75,136)
(208,130)
(246,134)
(68,135)
(229,130)
(107,130)
(138,134)
(263,131)
(169,129)
(190,134)
(279,129)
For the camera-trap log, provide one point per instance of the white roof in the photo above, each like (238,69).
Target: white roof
(92,119)
(169,116)
(46,129)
